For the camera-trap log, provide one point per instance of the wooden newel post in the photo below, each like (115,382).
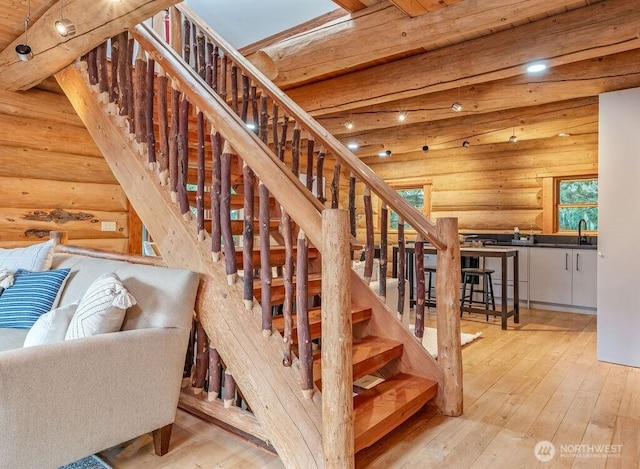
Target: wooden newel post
(337,368)
(448,322)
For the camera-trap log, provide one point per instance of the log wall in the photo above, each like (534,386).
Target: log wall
(53,177)
(489,188)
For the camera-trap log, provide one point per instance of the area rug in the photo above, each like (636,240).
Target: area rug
(430,339)
(90,462)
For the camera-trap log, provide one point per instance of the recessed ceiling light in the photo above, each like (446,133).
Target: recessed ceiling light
(536,67)
(348,125)
(402,116)
(353,146)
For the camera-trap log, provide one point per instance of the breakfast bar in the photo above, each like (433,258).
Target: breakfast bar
(503,253)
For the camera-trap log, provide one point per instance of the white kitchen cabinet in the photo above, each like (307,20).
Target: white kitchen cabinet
(563,277)
(585,272)
(551,275)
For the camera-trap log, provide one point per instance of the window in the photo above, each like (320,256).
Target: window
(415,197)
(577,199)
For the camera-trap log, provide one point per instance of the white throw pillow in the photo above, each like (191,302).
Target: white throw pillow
(6,279)
(51,327)
(34,258)
(101,309)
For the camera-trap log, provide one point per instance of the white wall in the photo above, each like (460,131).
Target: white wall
(619,228)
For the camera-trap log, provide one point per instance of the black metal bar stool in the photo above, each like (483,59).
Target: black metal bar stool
(471,277)
(430,286)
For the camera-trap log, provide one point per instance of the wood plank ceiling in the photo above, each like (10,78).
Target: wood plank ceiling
(404,57)
(416,58)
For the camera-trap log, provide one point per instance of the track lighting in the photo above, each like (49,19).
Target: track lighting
(466,144)
(23,51)
(64,26)
(425,148)
(513,138)
(456,107)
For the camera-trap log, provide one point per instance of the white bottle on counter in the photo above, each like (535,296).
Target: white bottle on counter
(516,233)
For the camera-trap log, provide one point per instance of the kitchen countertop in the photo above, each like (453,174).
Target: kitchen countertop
(548,245)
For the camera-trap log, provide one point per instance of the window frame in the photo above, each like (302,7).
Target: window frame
(557,205)
(408,184)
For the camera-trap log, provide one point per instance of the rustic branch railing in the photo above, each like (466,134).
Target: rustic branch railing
(322,148)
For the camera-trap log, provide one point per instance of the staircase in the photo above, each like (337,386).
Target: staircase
(241,326)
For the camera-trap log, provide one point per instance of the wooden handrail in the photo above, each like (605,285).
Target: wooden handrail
(412,216)
(305,211)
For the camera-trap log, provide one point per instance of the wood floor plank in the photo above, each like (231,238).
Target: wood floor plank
(537,380)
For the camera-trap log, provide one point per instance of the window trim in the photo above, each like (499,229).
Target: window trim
(551,202)
(408,184)
(558,205)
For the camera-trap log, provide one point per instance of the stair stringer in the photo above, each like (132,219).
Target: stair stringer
(272,390)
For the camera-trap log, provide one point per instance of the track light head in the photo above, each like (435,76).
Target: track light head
(387,153)
(466,144)
(513,139)
(24,53)
(456,107)
(65,27)
(425,148)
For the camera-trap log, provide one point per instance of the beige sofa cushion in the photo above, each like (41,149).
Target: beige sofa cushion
(12,338)
(160,292)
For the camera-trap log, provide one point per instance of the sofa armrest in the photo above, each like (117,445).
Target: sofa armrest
(64,401)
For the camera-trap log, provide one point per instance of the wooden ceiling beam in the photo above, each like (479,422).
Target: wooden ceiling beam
(384,31)
(350,5)
(576,116)
(95,22)
(562,39)
(572,81)
(415,8)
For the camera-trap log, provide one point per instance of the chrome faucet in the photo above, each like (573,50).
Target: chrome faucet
(582,239)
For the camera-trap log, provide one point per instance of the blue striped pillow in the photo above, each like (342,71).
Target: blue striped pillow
(32,294)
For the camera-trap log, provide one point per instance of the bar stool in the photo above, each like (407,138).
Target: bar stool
(430,286)
(469,276)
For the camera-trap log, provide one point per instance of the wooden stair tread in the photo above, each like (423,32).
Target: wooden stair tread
(277,254)
(358,314)
(369,355)
(237,201)
(379,410)
(277,287)
(237,226)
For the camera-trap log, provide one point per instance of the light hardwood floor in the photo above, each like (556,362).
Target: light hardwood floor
(537,381)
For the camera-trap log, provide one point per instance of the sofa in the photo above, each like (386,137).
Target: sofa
(62,401)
